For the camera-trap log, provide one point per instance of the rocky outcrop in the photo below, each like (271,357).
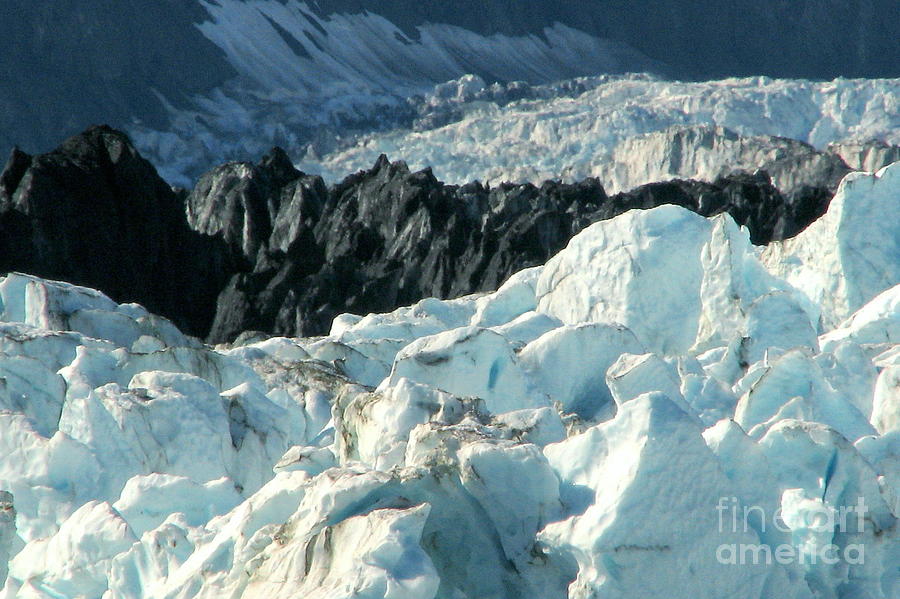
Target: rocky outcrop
(265,247)
(93,212)
(387,236)
(242,203)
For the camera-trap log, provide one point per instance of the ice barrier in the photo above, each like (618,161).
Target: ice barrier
(651,412)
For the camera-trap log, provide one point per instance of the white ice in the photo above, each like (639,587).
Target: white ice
(584,431)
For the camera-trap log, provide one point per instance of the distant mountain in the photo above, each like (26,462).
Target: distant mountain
(66,64)
(199,81)
(696,39)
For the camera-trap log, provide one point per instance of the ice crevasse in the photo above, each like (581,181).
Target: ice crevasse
(593,428)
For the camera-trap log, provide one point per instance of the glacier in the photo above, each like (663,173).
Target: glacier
(202,81)
(598,426)
(344,82)
(310,77)
(636,129)
(844,259)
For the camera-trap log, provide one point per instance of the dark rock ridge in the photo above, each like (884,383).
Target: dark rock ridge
(388,237)
(95,213)
(266,247)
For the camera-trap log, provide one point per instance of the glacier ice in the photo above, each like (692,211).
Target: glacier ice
(612,272)
(468,361)
(792,386)
(623,421)
(377,554)
(632,375)
(635,129)
(569,363)
(886,401)
(649,526)
(877,322)
(75,560)
(852,254)
(147,501)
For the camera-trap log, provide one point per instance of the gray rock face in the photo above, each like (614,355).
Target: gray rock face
(93,212)
(236,202)
(268,248)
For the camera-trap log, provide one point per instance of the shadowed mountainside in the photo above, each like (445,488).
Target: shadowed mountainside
(266,247)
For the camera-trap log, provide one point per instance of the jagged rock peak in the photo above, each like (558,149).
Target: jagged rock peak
(241,201)
(264,246)
(278,163)
(94,212)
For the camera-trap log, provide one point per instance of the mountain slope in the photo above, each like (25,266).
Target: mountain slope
(74,63)
(201,81)
(695,39)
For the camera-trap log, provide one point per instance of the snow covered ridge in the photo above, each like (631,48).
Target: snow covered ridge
(631,131)
(653,412)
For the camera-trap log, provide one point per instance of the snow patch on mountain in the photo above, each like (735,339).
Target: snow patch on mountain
(304,76)
(290,46)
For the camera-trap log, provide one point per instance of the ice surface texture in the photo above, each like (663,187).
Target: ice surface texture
(583,431)
(635,130)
